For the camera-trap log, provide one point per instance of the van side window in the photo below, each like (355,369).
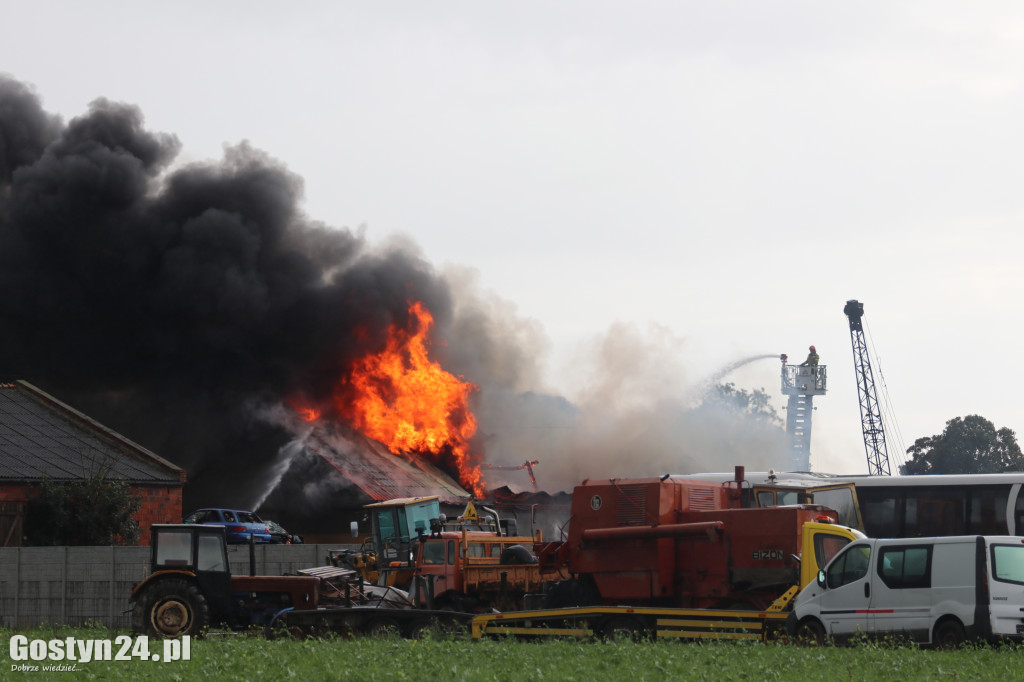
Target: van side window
(906,567)
(849,567)
(1008,563)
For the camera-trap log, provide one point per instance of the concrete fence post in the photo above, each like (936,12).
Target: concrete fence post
(113,573)
(64,590)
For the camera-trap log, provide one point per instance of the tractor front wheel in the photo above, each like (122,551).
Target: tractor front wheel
(170,608)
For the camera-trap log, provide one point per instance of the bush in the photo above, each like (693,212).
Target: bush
(95,511)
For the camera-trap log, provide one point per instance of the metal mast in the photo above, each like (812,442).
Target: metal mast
(870,415)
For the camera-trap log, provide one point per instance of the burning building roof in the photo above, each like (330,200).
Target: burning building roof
(378,473)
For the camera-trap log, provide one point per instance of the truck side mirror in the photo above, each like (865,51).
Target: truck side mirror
(821,578)
(354,528)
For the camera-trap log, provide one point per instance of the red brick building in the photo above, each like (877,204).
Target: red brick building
(41,438)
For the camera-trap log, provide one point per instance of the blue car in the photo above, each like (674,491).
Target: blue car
(238,523)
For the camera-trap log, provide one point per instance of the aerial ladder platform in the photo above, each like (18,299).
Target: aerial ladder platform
(801,383)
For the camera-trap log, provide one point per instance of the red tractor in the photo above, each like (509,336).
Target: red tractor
(191,586)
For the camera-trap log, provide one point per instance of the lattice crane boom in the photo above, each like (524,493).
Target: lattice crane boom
(870,414)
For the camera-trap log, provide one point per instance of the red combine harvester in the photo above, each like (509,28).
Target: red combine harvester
(675,552)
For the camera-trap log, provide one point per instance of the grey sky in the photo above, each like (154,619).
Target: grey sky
(729,173)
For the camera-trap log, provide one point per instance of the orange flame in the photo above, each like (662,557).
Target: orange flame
(306,412)
(410,404)
(309,414)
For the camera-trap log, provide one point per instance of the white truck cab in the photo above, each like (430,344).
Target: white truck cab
(940,591)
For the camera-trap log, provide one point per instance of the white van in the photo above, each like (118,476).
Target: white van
(940,590)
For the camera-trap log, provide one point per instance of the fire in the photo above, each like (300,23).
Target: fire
(305,411)
(410,403)
(309,414)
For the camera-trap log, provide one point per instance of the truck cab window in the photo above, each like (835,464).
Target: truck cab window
(827,546)
(433,552)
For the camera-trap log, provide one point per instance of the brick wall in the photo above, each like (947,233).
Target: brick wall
(15,492)
(160,504)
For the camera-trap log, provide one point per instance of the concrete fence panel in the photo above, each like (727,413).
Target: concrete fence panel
(79,585)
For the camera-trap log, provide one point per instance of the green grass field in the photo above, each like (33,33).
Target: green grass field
(241,657)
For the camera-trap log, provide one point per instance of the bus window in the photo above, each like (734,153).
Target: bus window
(1018,513)
(881,512)
(935,511)
(988,510)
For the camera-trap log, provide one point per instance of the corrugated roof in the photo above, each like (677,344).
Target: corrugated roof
(371,467)
(42,438)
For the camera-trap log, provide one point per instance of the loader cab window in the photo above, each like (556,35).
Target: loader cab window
(174,549)
(850,566)
(451,552)
(392,534)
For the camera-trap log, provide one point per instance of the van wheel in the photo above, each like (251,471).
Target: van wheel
(811,632)
(949,634)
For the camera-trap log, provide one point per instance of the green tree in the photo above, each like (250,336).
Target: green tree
(94,511)
(968,445)
(753,405)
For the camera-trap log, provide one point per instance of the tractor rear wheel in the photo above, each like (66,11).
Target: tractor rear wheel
(170,608)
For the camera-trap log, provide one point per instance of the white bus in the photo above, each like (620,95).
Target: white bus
(900,506)
(925,506)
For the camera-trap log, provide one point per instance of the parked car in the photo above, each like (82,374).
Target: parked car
(940,591)
(280,536)
(239,523)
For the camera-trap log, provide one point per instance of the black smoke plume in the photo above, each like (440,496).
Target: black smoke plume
(183,304)
(168,302)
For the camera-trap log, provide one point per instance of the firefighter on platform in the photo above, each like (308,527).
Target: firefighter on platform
(812,358)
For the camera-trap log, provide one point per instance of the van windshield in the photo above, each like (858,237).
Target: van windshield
(1008,563)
